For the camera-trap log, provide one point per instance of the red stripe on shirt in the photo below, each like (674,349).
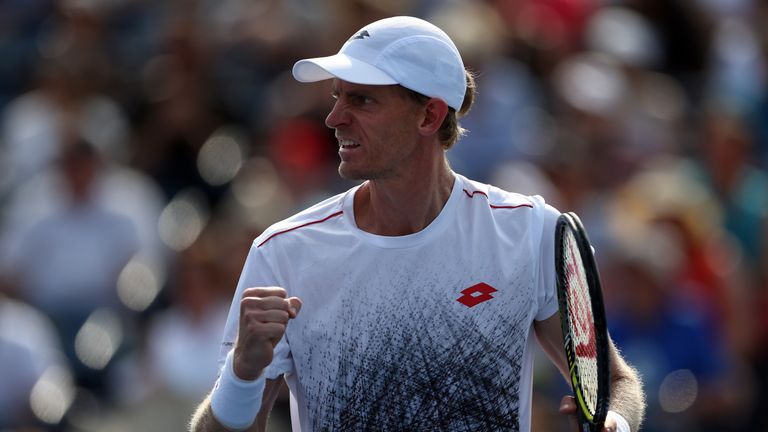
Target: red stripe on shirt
(472,195)
(300,226)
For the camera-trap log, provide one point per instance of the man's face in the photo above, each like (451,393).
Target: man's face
(377,130)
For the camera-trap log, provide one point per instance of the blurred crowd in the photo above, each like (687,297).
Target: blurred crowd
(144,144)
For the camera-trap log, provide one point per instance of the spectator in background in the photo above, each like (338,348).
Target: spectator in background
(181,115)
(726,168)
(711,273)
(180,357)
(687,368)
(175,363)
(69,100)
(670,236)
(67,264)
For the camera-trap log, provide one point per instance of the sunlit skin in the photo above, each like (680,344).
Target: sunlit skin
(377,131)
(391,140)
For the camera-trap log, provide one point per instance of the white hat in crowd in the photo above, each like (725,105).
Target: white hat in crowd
(399,50)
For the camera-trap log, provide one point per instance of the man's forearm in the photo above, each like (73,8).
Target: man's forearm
(203,420)
(627,396)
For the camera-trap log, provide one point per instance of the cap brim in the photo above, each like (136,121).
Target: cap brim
(340,66)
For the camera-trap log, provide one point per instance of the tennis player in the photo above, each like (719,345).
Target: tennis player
(411,301)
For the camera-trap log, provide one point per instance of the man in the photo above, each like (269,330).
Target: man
(410,301)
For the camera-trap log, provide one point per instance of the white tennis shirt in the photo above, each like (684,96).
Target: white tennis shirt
(430,331)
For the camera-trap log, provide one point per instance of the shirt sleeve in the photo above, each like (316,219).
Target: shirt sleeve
(546,293)
(256,272)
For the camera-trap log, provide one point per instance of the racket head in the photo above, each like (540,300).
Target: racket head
(582,316)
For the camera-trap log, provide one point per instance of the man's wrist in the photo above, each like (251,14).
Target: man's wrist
(245,374)
(235,402)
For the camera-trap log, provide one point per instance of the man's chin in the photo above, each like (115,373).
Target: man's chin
(348,174)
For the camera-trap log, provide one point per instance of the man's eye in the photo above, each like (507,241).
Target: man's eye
(362,100)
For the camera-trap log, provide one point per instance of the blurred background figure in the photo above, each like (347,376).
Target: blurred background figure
(143,145)
(67,264)
(726,153)
(687,369)
(680,295)
(159,383)
(180,117)
(180,358)
(68,97)
(727,169)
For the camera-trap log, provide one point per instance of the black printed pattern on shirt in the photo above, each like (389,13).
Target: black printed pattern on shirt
(430,372)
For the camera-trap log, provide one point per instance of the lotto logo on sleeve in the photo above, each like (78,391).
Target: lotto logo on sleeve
(476,294)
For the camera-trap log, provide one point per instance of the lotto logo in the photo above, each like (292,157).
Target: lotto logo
(476,294)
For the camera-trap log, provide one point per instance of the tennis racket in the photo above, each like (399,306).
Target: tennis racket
(582,316)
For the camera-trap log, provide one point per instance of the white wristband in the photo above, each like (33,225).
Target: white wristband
(236,402)
(621,422)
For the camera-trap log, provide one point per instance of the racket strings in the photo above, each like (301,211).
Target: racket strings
(581,322)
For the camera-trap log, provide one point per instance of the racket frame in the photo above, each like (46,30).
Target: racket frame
(589,422)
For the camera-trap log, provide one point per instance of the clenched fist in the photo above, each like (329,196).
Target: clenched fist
(264,313)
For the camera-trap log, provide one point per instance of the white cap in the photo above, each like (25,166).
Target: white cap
(399,50)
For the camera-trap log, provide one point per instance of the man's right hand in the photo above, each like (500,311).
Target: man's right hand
(264,314)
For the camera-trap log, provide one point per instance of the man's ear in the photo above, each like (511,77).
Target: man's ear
(435,111)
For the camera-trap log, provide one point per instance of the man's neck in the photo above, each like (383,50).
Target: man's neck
(405,205)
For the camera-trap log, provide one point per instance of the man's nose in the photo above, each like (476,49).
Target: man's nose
(337,117)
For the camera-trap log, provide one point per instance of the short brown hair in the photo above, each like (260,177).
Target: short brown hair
(450,131)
